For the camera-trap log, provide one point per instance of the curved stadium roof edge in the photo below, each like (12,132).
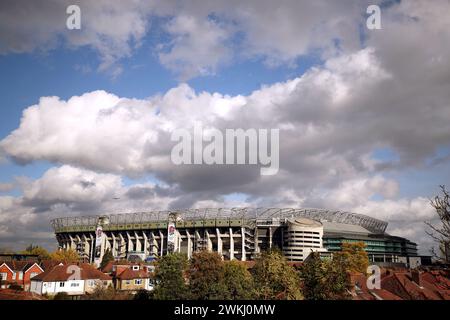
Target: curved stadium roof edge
(371,224)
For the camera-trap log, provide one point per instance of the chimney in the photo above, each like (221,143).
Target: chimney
(415,276)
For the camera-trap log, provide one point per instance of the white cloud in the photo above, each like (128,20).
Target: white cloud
(198,46)
(392,94)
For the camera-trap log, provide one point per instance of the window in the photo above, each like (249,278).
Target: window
(135,268)
(137,281)
(91,283)
(14,276)
(74,284)
(4,276)
(61,284)
(127,281)
(20,275)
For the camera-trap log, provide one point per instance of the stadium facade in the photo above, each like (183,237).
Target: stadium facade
(237,233)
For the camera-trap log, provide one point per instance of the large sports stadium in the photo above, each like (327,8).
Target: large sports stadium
(235,233)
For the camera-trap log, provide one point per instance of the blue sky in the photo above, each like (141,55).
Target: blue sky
(363,114)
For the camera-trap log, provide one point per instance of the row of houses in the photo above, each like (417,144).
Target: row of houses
(50,278)
(402,284)
(76,279)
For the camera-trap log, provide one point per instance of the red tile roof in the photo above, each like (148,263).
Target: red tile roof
(63,272)
(15,265)
(129,274)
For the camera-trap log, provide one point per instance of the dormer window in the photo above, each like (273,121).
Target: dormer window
(135,268)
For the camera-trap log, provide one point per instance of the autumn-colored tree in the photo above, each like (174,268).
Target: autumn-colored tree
(353,257)
(206,276)
(107,293)
(66,256)
(169,275)
(275,278)
(107,257)
(238,281)
(42,253)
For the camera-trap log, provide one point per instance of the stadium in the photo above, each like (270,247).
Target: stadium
(235,233)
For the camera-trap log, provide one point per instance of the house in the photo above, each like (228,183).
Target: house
(18,273)
(403,285)
(73,279)
(130,276)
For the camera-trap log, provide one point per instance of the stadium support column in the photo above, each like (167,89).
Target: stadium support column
(91,248)
(243,257)
(161,238)
(208,241)
(219,242)
(189,245)
(138,242)
(114,245)
(145,243)
(72,243)
(231,244)
(129,243)
(270,237)
(122,246)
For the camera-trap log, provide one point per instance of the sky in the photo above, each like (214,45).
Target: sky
(86,115)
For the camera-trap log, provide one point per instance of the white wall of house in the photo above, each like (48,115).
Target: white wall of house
(71,287)
(36,287)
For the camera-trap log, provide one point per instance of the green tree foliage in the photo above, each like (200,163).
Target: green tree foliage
(275,278)
(169,276)
(314,278)
(107,257)
(353,257)
(206,276)
(238,282)
(40,251)
(324,280)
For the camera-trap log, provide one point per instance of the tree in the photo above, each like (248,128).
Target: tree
(107,257)
(238,282)
(441,233)
(324,280)
(169,276)
(66,256)
(40,251)
(353,257)
(275,278)
(206,276)
(107,293)
(313,275)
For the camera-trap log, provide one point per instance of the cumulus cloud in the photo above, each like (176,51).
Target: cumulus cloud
(391,94)
(113,30)
(197,47)
(201,36)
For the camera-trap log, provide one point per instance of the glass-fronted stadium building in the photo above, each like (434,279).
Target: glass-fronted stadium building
(236,233)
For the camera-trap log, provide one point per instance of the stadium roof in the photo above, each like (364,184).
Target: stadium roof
(369,223)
